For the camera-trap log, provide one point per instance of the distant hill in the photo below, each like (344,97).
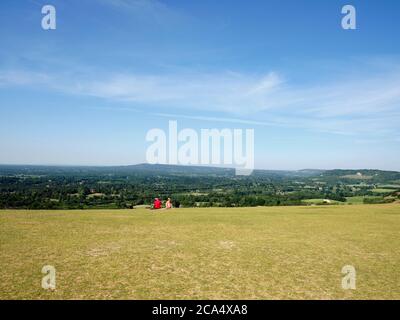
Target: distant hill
(367,175)
(160,169)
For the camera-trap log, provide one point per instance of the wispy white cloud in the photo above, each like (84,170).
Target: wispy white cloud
(22,78)
(357,105)
(353,97)
(227,92)
(248,94)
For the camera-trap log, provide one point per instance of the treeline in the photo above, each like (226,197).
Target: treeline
(80,188)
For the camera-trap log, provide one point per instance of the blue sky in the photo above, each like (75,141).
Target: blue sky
(87,93)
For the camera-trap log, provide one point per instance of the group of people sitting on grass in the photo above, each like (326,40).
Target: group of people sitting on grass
(157,204)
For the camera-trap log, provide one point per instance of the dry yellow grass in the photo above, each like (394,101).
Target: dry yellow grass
(211,253)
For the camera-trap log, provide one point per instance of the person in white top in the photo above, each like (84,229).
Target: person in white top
(168,204)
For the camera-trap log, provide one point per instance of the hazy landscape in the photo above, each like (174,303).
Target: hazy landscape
(43,187)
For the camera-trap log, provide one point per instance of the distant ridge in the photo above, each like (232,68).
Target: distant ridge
(190,170)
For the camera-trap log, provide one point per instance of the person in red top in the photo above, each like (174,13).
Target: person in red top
(157,204)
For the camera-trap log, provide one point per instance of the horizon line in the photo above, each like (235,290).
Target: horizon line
(180,165)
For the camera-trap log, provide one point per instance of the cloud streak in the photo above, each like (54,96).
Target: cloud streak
(226,92)
(361,105)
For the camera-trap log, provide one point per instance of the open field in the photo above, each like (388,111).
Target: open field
(355,200)
(215,253)
(358,199)
(381,190)
(321,201)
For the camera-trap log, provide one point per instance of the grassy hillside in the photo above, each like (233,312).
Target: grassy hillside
(215,253)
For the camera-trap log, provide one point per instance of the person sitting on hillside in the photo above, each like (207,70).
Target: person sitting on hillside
(157,203)
(168,204)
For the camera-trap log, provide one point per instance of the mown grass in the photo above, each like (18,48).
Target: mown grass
(382,190)
(211,253)
(356,199)
(321,201)
(370,199)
